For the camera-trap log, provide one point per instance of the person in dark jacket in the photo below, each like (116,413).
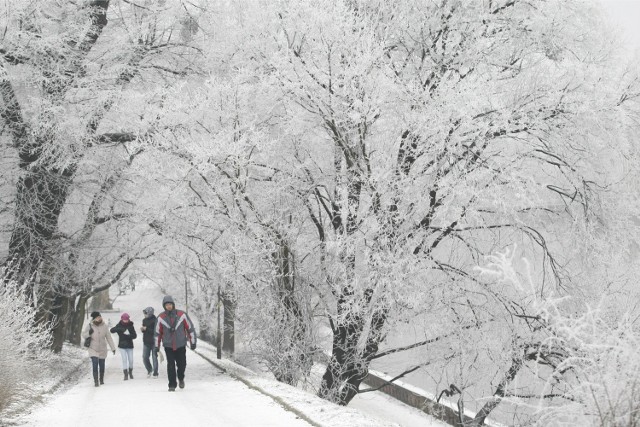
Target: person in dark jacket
(174,330)
(126,334)
(148,329)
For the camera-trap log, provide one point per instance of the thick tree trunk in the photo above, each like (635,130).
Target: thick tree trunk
(41,194)
(40,197)
(347,369)
(349,364)
(53,306)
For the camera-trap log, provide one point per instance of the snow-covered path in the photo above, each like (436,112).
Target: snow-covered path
(209,398)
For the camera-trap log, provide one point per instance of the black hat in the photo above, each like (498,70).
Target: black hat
(95,314)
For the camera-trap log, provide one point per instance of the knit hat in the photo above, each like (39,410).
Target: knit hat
(95,314)
(167,299)
(148,311)
(125,316)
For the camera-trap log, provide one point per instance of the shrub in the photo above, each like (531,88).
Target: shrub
(24,344)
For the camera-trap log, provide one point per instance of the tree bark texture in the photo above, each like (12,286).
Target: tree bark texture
(294,356)
(76,321)
(228,339)
(43,188)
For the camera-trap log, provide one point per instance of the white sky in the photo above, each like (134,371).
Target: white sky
(627,14)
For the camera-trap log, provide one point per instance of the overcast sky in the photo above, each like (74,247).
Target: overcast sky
(627,14)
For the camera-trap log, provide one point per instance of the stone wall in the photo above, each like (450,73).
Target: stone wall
(442,411)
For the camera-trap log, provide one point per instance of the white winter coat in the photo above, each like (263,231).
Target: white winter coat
(99,339)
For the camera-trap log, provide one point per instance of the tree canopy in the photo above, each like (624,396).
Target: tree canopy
(445,184)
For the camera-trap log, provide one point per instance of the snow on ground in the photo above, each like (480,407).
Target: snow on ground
(226,394)
(209,398)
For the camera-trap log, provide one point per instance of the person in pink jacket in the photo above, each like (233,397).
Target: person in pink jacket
(100,337)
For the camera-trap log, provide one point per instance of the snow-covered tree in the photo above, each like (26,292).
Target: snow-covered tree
(77,77)
(428,134)
(334,166)
(386,148)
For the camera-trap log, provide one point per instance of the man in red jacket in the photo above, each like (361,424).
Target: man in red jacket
(174,330)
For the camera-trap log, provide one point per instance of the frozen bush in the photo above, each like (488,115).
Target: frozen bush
(601,369)
(24,344)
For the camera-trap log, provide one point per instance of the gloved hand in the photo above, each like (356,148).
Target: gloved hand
(114,352)
(193,346)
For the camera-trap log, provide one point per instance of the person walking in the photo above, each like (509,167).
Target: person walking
(98,331)
(126,334)
(174,330)
(149,351)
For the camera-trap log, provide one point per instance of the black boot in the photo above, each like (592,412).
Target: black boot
(101,378)
(95,380)
(126,374)
(131,373)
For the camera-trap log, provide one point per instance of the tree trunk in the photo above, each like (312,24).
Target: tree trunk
(60,315)
(345,371)
(101,301)
(294,350)
(516,364)
(76,320)
(40,196)
(228,341)
(349,366)
(206,333)
(53,305)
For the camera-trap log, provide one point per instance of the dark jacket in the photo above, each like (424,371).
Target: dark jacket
(126,334)
(147,336)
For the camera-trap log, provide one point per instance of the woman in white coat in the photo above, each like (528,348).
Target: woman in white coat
(100,336)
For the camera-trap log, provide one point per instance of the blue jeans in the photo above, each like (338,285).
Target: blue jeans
(146,352)
(127,358)
(95,363)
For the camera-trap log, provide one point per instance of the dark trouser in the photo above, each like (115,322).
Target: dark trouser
(177,357)
(95,362)
(146,352)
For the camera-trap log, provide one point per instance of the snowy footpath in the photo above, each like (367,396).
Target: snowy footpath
(217,393)
(209,398)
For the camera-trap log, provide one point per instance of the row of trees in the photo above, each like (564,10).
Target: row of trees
(67,73)
(334,167)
